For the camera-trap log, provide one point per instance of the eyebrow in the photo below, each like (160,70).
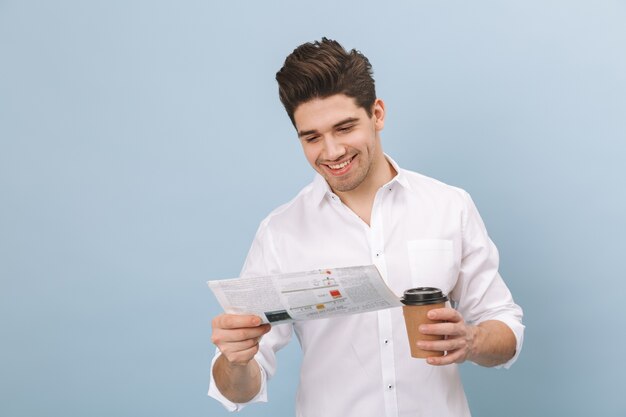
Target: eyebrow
(336,125)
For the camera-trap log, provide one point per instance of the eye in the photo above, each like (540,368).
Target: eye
(311,139)
(345,129)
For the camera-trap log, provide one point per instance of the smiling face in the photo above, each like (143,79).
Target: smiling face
(342,142)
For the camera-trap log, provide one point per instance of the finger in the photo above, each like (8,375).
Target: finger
(236,347)
(447,345)
(450,358)
(242,357)
(236,321)
(221,336)
(445,314)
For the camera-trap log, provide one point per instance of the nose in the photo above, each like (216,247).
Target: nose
(333,149)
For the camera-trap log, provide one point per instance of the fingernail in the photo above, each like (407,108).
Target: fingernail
(431,315)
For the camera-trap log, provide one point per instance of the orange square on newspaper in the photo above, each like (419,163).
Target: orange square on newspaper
(335,293)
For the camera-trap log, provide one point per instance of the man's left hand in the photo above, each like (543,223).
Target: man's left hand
(459,337)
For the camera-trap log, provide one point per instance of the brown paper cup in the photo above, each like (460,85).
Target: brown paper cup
(414,316)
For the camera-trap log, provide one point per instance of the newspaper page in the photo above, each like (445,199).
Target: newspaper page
(306,295)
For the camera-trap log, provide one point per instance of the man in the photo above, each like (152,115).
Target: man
(363,209)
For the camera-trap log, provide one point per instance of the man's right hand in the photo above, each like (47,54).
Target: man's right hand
(237,375)
(238,336)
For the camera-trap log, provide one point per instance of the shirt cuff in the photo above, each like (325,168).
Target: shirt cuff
(518,331)
(214,392)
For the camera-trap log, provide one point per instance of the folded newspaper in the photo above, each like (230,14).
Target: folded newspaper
(306,295)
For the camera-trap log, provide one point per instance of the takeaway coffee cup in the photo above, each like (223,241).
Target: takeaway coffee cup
(417,302)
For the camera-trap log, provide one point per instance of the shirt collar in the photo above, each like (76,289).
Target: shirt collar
(321,188)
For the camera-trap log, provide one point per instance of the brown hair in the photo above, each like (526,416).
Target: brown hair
(324,68)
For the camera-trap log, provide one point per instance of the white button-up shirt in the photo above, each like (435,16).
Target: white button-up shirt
(422,233)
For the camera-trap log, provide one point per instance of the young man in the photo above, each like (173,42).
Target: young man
(361,209)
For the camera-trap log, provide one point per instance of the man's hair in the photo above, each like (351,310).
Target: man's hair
(324,68)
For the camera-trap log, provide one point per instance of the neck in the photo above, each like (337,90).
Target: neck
(361,199)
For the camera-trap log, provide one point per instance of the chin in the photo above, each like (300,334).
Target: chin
(342,187)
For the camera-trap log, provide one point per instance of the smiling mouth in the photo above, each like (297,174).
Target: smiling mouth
(341,166)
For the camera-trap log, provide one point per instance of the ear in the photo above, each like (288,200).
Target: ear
(378,113)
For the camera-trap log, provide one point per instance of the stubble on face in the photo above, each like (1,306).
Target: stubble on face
(345,160)
(359,171)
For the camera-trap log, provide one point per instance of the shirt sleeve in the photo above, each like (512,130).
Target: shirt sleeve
(261,261)
(480,292)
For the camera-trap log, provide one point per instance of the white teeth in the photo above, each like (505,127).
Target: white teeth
(342,165)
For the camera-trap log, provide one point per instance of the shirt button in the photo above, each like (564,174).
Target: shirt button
(389,387)
(386,341)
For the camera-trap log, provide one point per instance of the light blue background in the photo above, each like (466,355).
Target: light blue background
(141,143)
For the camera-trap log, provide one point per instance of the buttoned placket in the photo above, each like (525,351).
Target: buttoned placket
(377,252)
(377,247)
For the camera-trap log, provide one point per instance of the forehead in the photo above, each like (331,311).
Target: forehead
(323,113)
